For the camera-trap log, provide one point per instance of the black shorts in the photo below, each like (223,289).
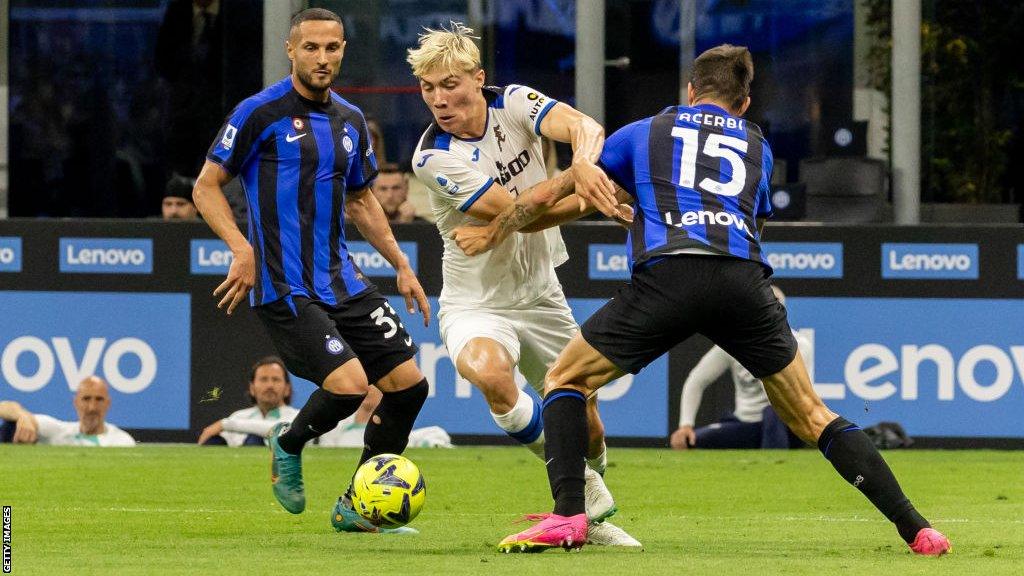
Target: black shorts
(314,338)
(728,300)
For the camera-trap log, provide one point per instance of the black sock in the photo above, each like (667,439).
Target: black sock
(857,460)
(565,449)
(320,415)
(388,430)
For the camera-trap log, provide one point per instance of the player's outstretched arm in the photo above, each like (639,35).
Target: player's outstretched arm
(535,201)
(208,196)
(566,124)
(365,212)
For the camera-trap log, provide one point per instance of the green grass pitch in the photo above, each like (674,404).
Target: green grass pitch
(189,510)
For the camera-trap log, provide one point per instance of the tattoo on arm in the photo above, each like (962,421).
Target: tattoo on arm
(527,207)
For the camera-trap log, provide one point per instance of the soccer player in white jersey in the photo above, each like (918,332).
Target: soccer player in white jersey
(506,308)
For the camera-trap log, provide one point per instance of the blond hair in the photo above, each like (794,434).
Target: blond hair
(451,50)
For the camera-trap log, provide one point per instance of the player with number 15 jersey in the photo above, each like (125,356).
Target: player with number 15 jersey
(699,176)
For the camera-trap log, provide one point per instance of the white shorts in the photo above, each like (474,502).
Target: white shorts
(533,336)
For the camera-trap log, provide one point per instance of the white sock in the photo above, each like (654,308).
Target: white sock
(524,423)
(599,463)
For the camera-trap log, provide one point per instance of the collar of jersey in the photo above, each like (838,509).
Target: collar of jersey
(487,123)
(713,108)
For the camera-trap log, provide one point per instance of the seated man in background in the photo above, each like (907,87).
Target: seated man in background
(753,423)
(177,203)
(270,389)
(392,191)
(92,401)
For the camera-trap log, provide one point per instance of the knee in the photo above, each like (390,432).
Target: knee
(498,386)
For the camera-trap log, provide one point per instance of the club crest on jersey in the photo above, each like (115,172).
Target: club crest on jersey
(347,143)
(499,136)
(228,140)
(334,346)
(298,124)
(447,184)
(532,96)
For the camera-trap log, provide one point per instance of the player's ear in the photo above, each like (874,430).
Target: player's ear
(690,94)
(743,108)
(480,77)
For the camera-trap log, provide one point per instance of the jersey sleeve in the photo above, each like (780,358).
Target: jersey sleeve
(48,427)
(362,165)
(617,157)
(450,178)
(527,106)
(764,189)
(708,369)
(237,140)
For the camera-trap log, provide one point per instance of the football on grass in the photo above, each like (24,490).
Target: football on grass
(388,490)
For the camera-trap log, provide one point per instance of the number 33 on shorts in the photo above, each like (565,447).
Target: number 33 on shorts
(386,317)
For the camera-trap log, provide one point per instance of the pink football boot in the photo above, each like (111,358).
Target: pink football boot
(930,542)
(552,531)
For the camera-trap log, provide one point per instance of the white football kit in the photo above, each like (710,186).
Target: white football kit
(60,433)
(510,294)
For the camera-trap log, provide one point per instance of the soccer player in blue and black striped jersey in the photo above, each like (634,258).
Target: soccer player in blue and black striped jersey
(698,175)
(305,160)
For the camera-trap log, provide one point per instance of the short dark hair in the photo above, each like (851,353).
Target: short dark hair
(267,361)
(390,168)
(310,14)
(723,73)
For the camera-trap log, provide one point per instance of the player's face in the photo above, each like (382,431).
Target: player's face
(391,190)
(269,387)
(454,100)
(178,209)
(316,48)
(92,400)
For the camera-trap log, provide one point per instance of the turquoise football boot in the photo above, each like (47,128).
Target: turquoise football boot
(286,473)
(344,518)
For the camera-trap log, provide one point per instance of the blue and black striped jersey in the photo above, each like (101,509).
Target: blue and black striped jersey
(296,159)
(700,180)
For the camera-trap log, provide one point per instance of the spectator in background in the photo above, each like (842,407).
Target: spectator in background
(753,423)
(92,401)
(177,203)
(270,389)
(189,56)
(392,191)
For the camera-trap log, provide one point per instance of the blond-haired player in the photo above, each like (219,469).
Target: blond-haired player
(506,308)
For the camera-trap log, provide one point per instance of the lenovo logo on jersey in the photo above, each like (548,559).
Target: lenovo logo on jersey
(703,217)
(805,259)
(930,261)
(106,255)
(10,254)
